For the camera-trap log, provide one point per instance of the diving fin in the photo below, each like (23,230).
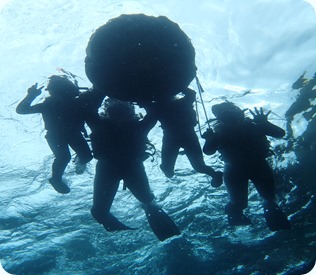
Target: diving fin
(59,186)
(161,224)
(109,222)
(275,217)
(113,224)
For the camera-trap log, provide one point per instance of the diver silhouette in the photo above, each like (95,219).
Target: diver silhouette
(119,145)
(244,147)
(302,104)
(178,119)
(64,124)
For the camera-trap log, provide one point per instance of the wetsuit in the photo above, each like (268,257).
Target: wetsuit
(120,148)
(244,149)
(178,119)
(64,123)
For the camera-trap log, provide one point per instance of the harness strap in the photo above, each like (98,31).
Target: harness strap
(200,89)
(198,117)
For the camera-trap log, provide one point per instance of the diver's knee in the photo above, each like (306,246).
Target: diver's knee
(151,204)
(63,158)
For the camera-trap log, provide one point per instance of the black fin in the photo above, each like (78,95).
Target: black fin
(113,224)
(275,217)
(109,222)
(161,224)
(239,220)
(59,186)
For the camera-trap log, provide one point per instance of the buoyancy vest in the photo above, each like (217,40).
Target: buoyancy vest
(242,142)
(62,117)
(119,141)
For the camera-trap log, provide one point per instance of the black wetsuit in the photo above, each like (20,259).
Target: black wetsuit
(64,124)
(178,119)
(120,149)
(244,149)
(302,104)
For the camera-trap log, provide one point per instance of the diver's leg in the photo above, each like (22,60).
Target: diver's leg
(169,153)
(62,155)
(236,183)
(78,143)
(263,179)
(194,153)
(136,181)
(106,183)
(161,224)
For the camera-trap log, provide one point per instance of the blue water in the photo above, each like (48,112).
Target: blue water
(241,46)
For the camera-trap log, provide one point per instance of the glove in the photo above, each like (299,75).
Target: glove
(34,91)
(259,116)
(208,134)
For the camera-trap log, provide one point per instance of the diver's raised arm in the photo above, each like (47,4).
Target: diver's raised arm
(24,107)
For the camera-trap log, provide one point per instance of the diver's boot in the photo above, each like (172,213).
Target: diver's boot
(217,179)
(59,186)
(113,224)
(161,224)
(238,220)
(236,216)
(275,217)
(80,166)
(217,176)
(168,173)
(109,222)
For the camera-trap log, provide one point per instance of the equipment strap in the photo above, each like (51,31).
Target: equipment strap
(200,88)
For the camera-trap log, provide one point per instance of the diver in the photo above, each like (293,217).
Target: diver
(119,145)
(244,147)
(64,124)
(302,104)
(178,119)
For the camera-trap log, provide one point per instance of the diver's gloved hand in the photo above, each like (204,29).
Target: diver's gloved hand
(259,116)
(208,134)
(217,179)
(34,91)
